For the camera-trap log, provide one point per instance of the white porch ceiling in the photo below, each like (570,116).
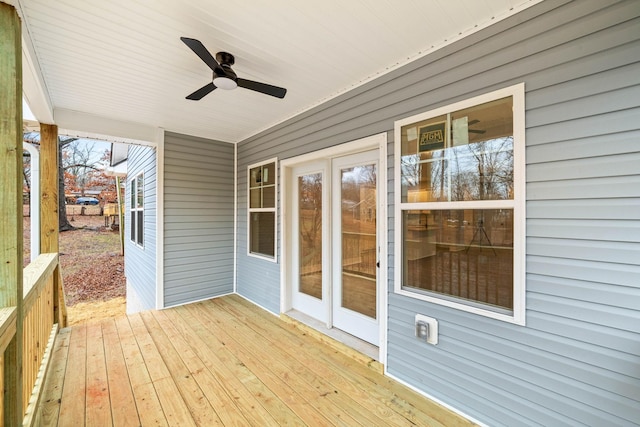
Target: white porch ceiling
(119,67)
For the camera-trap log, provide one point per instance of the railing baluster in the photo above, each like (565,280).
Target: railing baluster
(40,279)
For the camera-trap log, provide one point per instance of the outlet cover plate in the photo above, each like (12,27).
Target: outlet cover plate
(433,327)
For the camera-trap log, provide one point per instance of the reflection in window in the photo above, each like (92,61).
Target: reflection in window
(310,234)
(472,158)
(462,253)
(359,239)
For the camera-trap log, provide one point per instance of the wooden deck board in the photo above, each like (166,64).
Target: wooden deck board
(175,409)
(199,396)
(336,405)
(220,362)
(277,384)
(224,397)
(72,402)
(147,403)
(98,412)
(356,376)
(244,387)
(337,374)
(123,405)
(52,393)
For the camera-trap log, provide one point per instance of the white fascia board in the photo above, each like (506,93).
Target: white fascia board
(84,125)
(119,170)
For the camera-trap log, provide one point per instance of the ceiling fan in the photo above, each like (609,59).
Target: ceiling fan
(223,76)
(478,131)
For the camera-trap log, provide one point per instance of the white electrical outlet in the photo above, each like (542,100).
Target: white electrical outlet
(426,329)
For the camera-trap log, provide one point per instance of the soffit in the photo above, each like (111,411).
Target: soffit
(122,60)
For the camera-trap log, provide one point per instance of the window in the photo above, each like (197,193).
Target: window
(460,205)
(262,210)
(137,210)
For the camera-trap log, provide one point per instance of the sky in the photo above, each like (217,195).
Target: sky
(26,112)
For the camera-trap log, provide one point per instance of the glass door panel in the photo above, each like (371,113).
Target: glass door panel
(310,234)
(359,248)
(305,221)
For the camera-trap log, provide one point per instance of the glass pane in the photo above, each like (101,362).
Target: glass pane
(140,227)
(255,198)
(423,160)
(467,155)
(465,254)
(140,191)
(132,226)
(262,233)
(269,197)
(310,234)
(255,176)
(481,154)
(359,246)
(269,174)
(133,194)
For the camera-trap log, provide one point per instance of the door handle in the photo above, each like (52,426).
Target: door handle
(378,264)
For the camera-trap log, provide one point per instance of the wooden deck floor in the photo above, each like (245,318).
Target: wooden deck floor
(221,362)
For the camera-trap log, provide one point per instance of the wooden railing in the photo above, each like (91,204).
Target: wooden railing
(44,312)
(7,332)
(359,253)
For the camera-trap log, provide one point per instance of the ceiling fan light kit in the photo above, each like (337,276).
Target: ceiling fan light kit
(223,76)
(224,83)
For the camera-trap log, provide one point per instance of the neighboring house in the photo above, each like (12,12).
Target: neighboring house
(507,169)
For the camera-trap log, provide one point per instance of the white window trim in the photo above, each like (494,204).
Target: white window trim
(250,210)
(518,204)
(133,184)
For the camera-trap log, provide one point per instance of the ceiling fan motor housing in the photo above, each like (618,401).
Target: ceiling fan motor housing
(225,58)
(224,77)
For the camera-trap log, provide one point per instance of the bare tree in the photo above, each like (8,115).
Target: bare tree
(80,163)
(494,162)
(63,141)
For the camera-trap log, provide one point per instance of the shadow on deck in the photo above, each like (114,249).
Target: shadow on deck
(219,362)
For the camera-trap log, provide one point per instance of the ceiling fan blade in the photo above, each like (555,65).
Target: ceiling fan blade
(276,91)
(200,93)
(198,48)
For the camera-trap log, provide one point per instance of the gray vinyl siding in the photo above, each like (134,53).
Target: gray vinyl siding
(198,218)
(256,278)
(140,262)
(576,362)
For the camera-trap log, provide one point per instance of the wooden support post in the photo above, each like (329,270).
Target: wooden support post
(49,222)
(59,299)
(49,218)
(120,214)
(11,203)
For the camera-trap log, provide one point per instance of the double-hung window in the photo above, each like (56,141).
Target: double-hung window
(459,176)
(262,210)
(137,210)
